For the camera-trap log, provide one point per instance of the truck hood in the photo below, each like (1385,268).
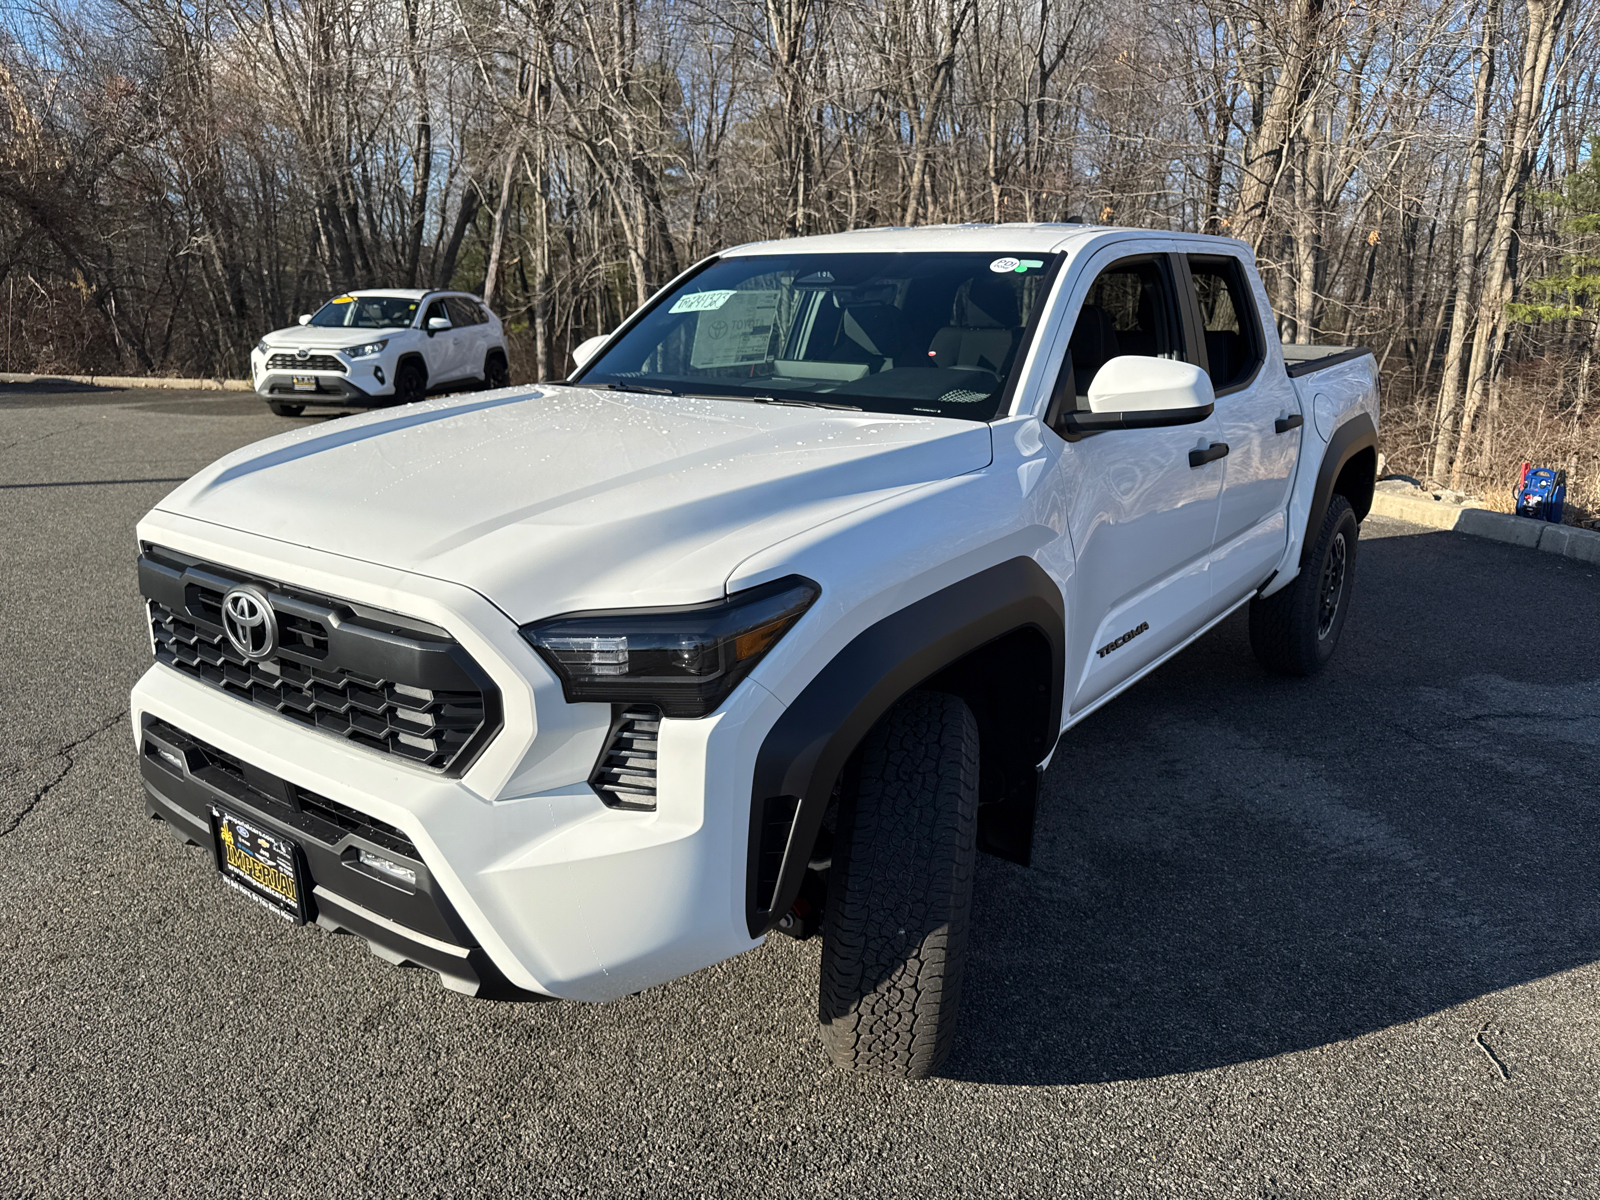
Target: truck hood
(558,499)
(316,337)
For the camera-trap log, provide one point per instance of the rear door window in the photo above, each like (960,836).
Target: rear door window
(1228,317)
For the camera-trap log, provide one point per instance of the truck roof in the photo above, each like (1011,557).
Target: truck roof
(1036,237)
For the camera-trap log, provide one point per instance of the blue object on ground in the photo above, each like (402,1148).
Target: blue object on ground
(1542,494)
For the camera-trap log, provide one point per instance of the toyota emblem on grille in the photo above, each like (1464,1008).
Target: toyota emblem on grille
(302,353)
(249,622)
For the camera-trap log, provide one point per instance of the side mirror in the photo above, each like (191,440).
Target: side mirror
(305,318)
(588,348)
(438,324)
(1133,392)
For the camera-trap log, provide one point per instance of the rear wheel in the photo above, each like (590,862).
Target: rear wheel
(900,891)
(280,409)
(410,384)
(496,373)
(1294,631)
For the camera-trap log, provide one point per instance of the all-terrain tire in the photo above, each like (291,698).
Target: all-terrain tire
(900,890)
(496,374)
(410,384)
(280,409)
(1294,631)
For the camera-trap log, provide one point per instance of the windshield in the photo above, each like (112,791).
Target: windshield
(932,333)
(366,312)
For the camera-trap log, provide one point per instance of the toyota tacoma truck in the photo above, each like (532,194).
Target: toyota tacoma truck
(767,619)
(375,348)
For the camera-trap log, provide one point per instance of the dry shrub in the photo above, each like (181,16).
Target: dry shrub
(1535,418)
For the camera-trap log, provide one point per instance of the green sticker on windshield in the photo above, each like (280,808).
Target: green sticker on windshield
(1028,263)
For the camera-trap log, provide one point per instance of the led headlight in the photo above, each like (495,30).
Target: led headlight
(367,350)
(685,660)
(261,346)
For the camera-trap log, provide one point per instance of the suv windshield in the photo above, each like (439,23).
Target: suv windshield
(933,333)
(366,312)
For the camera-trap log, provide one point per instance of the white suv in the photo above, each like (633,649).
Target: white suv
(380,347)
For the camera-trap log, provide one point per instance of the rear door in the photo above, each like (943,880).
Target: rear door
(1258,417)
(1140,517)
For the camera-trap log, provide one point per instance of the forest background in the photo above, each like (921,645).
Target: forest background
(177,177)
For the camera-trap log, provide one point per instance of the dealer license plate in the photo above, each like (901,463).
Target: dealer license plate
(260,864)
(305,383)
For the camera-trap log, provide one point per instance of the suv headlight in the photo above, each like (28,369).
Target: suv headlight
(685,660)
(261,346)
(367,350)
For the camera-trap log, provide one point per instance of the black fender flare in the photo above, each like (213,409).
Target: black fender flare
(1350,439)
(806,749)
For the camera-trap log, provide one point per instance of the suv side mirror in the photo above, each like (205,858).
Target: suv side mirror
(305,318)
(588,348)
(437,324)
(1134,392)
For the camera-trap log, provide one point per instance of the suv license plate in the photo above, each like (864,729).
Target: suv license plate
(260,864)
(305,383)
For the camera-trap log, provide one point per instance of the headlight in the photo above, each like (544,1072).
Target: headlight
(686,660)
(261,346)
(369,349)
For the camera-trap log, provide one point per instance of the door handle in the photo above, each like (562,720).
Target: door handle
(1199,458)
(1292,421)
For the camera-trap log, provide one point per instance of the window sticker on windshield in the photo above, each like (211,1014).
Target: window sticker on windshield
(1008,265)
(701,301)
(739,334)
(342,300)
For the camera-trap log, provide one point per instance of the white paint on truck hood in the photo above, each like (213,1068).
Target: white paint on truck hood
(556,499)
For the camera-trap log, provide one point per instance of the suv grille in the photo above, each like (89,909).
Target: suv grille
(625,776)
(311,362)
(384,681)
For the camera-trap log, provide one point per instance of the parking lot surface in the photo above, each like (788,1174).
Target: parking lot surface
(1314,938)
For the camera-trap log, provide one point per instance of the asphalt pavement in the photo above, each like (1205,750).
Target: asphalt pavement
(1281,939)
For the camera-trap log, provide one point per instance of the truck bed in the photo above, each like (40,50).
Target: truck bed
(1304,360)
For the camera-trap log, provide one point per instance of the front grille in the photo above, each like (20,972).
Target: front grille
(377,679)
(625,776)
(325,819)
(311,362)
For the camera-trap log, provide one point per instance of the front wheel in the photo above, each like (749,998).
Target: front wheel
(280,409)
(410,385)
(1294,631)
(894,936)
(496,373)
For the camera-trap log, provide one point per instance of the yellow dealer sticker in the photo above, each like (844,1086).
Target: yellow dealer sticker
(342,300)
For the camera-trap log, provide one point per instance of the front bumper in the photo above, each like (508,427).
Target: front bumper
(560,894)
(332,388)
(408,925)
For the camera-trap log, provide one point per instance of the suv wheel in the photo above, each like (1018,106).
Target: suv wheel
(1294,632)
(900,890)
(280,409)
(410,385)
(496,373)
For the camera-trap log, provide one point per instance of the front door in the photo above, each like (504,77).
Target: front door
(442,348)
(1141,518)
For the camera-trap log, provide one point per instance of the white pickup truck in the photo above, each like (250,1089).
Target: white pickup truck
(767,619)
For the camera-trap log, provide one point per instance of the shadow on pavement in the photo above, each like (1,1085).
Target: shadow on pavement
(1230,866)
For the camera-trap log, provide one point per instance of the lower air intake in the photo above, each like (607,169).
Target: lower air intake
(625,776)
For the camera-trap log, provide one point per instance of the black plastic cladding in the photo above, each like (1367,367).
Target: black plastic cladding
(380,680)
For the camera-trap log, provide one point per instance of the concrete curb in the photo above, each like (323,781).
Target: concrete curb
(133,381)
(1565,540)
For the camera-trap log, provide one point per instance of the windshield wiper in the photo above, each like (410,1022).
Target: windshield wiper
(803,403)
(640,387)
